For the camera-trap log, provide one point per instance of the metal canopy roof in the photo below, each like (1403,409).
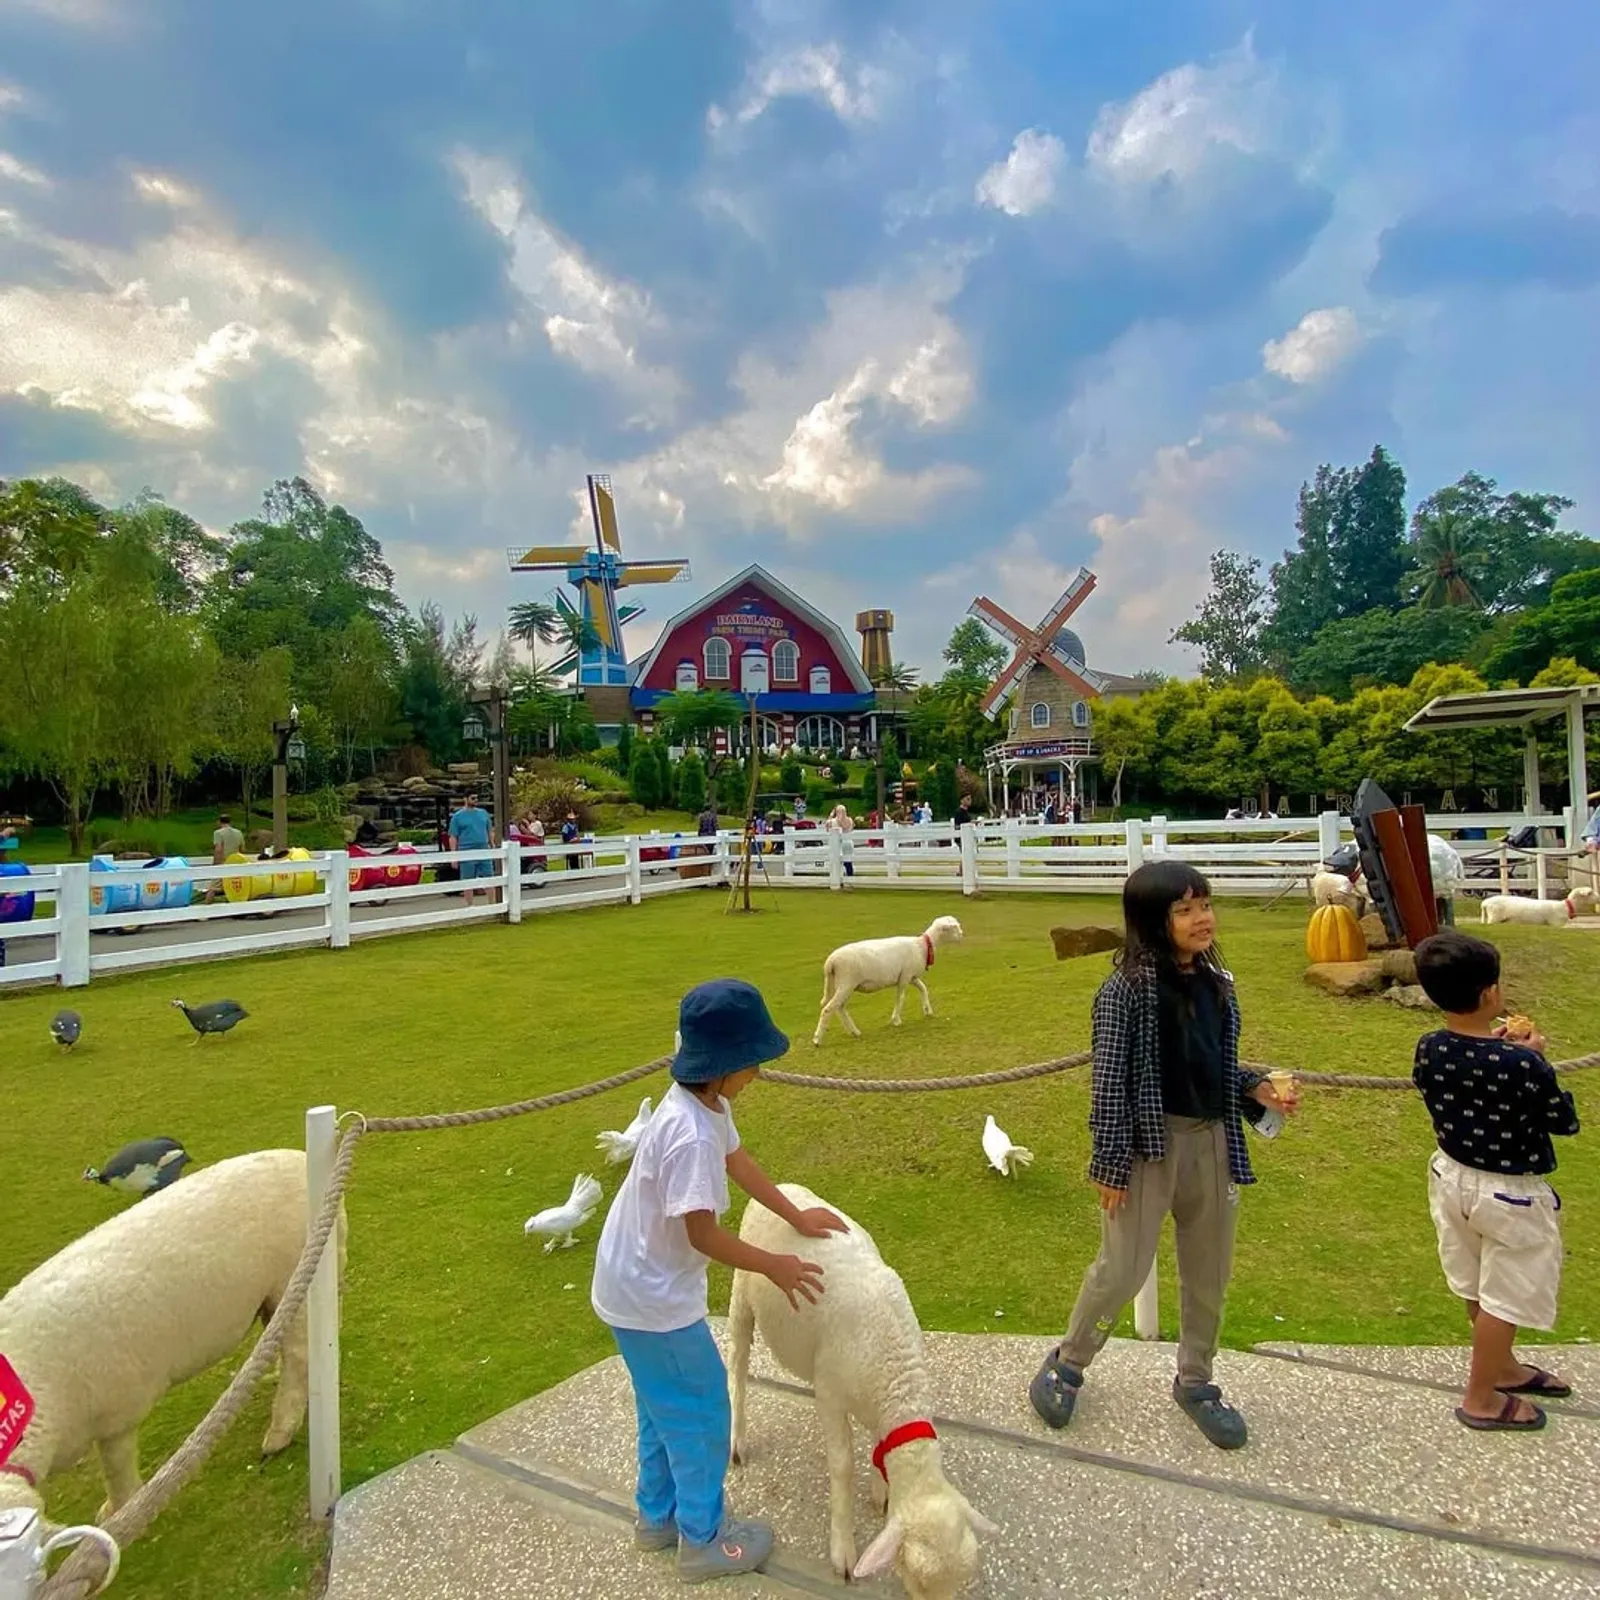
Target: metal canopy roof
(1502,708)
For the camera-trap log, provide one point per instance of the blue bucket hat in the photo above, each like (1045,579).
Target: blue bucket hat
(724,1026)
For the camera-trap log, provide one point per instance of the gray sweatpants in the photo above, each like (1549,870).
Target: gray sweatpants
(1193,1183)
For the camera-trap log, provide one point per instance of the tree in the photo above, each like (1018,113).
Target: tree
(1349,557)
(1227,630)
(941,789)
(691,784)
(48,531)
(1568,627)
(791,776)
(732,787)
(974,655)
(432,692)
(1449,557)
(248,696)
(1383,646)
(532,623)
(624,748)
(644,776)
(691,716)
(360,695)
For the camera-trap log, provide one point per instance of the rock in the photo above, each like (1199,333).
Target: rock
(1347,978)
(1071,943)
(1377,935)
(1400,966)
(1411,996)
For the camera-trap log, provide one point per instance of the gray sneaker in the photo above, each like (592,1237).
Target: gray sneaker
(653,1536)
(1211,1414)
(740,1547)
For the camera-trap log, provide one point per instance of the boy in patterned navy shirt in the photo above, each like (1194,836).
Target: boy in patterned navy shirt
(1495,1103)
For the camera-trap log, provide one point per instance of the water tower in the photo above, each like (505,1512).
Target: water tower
(875,628)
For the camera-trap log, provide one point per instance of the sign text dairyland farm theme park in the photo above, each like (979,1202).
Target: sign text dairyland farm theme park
(749,623)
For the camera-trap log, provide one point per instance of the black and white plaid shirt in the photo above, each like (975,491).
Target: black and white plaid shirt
(1126,1118)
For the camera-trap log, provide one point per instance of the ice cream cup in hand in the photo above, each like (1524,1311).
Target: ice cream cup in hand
(1284,1087)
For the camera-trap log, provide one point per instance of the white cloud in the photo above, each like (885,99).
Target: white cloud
(160,189)
(77,13)
(10,96)
(1319,342)
(594,322)
(813,71)
(1029,177)
(14,171)
(1171,128)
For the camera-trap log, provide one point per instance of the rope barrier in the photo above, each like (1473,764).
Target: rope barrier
(85,1570)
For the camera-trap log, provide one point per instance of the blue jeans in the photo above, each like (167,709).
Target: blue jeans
(680,1391)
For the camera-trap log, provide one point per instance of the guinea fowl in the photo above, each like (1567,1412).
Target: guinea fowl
(65,1026)
(142,1167)
(216,1016)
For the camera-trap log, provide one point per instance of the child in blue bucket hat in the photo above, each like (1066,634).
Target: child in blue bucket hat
(650,1278)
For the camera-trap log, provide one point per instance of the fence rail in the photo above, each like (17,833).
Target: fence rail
(83,923)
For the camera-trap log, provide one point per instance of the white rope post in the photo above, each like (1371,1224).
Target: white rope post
(338,899)
(967,839)
(835,842)
(633,870)
(1135,834)
(1011,830)
(322,1321)
(1147,1308)
(1327,833)
(511,867)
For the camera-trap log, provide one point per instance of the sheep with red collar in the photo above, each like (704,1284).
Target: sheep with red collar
(1543,913)
(872,964)
(860,1348)
(154,1295)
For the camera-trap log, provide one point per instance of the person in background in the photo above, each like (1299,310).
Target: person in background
(472,829)
(839,822)
(1591,845)
(569,835)
(706,825)
(964,811)
(226,841)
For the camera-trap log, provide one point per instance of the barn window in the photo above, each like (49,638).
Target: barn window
(717,665)
(1080,714)
(786,662)
(819,733)
(1039,714)
(821,681)
(753,672)
(688,676)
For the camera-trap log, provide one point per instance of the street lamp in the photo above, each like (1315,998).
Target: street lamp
(491,725)
(290,747)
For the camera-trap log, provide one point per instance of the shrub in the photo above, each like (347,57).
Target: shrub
(691,784)
(550,798)
(791,776)
(732,787)
(624,750)
(645,776)
(839,772)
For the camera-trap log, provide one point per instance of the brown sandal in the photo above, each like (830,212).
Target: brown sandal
(1546,1385)
(1507,1421)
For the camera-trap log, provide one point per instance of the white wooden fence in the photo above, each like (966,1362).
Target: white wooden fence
(69,941)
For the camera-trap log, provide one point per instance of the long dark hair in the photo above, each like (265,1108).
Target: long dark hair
(1147,901)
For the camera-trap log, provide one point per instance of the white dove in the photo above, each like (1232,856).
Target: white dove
(620,1146)
(560,1222)
(1004,1156)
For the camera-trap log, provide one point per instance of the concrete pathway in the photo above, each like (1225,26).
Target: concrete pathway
(1358,1482)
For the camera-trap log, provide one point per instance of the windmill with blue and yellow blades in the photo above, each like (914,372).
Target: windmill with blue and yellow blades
(597,574)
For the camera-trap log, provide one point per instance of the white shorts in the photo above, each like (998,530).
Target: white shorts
(1499,1240)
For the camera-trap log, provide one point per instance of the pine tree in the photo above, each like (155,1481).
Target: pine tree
(692,784)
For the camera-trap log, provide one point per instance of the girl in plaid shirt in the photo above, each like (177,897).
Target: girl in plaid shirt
(1165,1118)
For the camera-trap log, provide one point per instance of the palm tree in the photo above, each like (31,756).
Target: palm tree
(533,623)
(1448,556)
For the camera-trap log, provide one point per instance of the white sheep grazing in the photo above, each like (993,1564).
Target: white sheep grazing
(872,964)
(860,1348)
(159,1292)
(1547,913)
(1334,889)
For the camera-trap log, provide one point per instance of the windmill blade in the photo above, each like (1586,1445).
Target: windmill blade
(603,509)
(1000,689)
(651,572)
(1003,623)
(566,664)
(627,614)
(548,555)
(598,613)
(564,605)
(1074,676)
(1075,594)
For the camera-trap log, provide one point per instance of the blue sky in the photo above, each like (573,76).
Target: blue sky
(906,301)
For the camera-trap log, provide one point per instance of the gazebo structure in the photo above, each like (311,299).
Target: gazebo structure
(1527,709)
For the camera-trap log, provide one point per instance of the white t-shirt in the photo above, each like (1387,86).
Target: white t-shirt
(647,1276)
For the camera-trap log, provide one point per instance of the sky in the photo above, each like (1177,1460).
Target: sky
(907,300)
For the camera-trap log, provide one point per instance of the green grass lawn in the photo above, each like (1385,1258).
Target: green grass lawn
(451,1314)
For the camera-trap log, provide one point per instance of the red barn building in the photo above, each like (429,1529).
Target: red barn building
(755,636)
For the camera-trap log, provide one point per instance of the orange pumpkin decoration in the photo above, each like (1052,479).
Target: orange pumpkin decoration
(1335,935)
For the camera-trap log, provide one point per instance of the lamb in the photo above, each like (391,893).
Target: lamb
(158,1293)
(1334,889)
(860,1348)
(1550,913)
(872,964)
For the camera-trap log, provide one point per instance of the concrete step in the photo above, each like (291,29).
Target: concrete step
(1358,1481)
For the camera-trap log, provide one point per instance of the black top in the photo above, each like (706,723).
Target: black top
(1494,1104)
(1190,1020)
